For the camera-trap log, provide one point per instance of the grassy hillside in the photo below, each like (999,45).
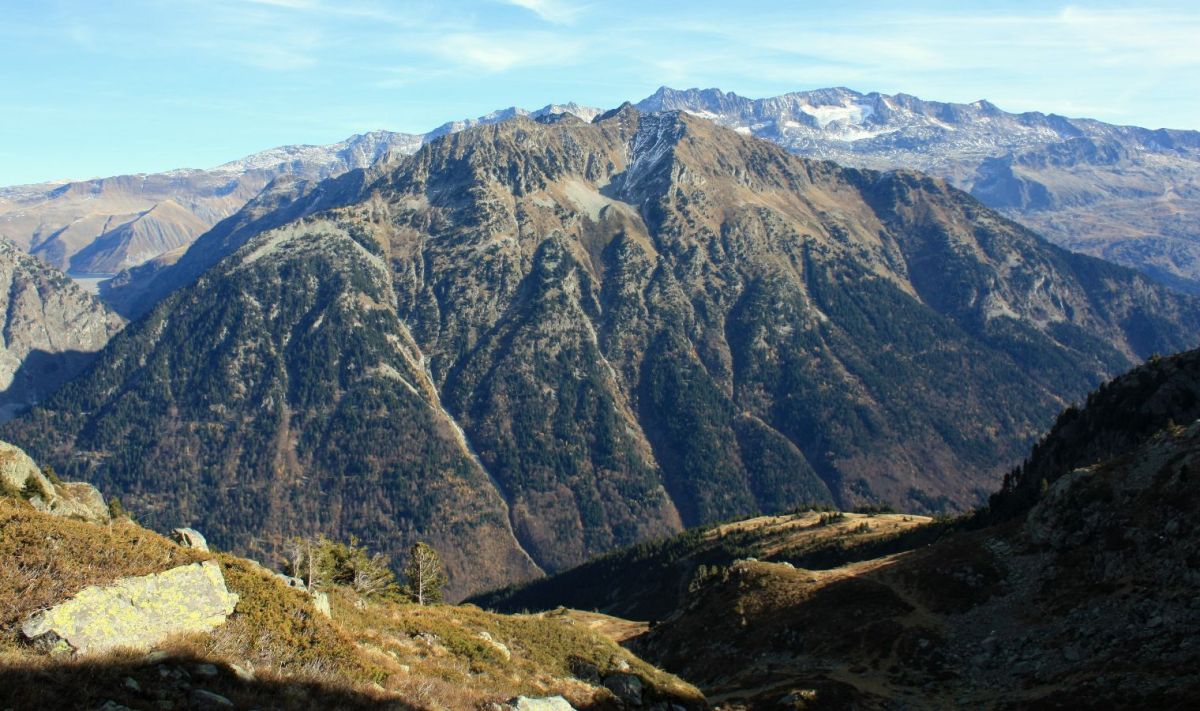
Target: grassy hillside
(651,580)
(277,650)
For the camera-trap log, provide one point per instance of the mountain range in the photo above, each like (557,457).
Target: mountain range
(536,340)
(102,226)
(1123,193)
(1127,194)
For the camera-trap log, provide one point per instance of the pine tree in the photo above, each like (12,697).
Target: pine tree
(424,574)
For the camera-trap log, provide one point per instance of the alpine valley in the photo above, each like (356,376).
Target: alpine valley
(533,341)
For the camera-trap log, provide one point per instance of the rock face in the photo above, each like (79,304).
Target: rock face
(533,342)
(20,476)
(138,613)
(52,329)
(1127,194)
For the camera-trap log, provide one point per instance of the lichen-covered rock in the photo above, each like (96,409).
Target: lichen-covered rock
(321,602)
(139,612)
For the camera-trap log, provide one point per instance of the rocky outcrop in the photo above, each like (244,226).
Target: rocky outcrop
(138,613)
(20,476)
(190,538)
(626,687)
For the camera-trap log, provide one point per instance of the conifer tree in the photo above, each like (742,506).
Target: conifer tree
(424,574)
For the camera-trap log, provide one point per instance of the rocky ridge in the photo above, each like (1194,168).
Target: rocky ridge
(1078,597)
(1124,193)
(107,614)
(1083,603)
(104,226)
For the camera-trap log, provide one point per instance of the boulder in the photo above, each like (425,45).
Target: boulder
(138,612)
(321,602)
(190,538)
(19,475)
(79,500)
(626,687)
(204,699)
(543,703)
(291,582)
(585,671)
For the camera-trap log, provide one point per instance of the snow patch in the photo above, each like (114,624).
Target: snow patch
(852,113)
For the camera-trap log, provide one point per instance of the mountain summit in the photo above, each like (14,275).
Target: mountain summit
(537,340)
(1124,193)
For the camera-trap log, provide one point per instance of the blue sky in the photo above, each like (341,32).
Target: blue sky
(103,87)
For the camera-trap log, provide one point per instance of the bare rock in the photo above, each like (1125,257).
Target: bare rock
(542,703)
(81,501)
(208,700)
(190,538)
(138,612)
(626,687)
(20,476)
(321,602)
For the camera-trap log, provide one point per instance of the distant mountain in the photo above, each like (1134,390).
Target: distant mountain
(52,329)
(1130,195)
(538,340)
(106,225)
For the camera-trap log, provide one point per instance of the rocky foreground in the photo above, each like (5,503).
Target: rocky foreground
(98,612)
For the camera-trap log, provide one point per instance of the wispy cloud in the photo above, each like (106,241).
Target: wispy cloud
(290,4)
(554,11)
(500,52)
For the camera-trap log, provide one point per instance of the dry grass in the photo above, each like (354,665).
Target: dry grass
(45,559)
(776,535)
(378,654)
(464,657)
